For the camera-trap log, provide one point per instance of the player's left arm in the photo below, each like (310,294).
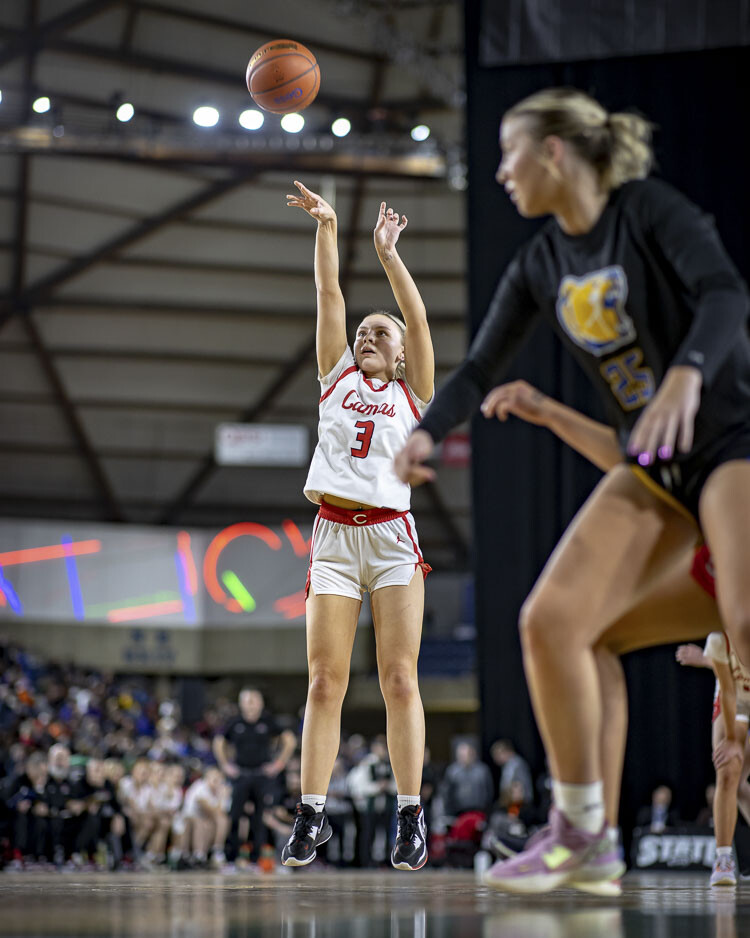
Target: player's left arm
(418,351)
(595,441)
(687,239)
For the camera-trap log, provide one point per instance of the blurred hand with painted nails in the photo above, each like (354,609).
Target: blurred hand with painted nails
(408,463)
(666,423)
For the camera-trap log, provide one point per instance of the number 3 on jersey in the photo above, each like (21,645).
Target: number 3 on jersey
(364,438)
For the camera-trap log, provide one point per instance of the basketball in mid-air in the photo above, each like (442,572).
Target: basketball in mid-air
(283,76)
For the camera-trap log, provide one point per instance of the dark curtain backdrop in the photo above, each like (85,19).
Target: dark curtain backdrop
(527,486)
(528,31)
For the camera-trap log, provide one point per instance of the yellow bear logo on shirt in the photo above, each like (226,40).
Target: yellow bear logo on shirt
(591,309)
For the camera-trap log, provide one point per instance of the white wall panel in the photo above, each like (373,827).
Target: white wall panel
(69,230)
(275,338)
(37,424)
(133,188)
(263,201)
(255,486)
(147,479)
(145,284)
(155,381)
(449,298)
(105,28)
(186,243)
(44,476)
(145,430)
(20,372)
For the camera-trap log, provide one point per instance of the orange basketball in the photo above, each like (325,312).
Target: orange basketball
(283,76)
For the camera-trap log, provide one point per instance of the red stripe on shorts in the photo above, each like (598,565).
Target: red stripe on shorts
(309,565)
(702,570)
(426,568)
(716,713)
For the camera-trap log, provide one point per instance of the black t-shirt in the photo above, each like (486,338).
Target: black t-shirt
(648,287)
(58,793)
(252,741)
(103,797)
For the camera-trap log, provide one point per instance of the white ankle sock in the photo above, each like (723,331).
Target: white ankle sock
(404,800)
(317,801)
(582,805)
(723,851)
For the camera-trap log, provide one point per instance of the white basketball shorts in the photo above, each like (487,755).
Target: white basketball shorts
(355,551)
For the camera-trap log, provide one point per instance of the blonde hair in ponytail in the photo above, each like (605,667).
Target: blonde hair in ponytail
(617,145)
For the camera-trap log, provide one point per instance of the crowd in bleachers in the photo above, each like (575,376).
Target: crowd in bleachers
(97,773)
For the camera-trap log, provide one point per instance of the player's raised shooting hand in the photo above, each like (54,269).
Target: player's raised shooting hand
(387,229)
(312,203)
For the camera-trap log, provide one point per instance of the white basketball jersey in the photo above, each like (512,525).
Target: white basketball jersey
(363,425)
(719,648)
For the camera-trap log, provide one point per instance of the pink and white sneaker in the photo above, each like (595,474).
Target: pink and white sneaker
(562,856)
(724,872)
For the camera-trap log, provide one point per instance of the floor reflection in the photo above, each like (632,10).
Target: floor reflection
(363,905)
(526,923)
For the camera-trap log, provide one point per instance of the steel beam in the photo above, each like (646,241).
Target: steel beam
(32,40)
(229,151)
(47,285)
(258,32)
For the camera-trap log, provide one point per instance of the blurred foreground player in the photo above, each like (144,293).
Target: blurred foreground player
(639,287)
(681,604)
(364,537)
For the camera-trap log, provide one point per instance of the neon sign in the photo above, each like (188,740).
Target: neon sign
(111,574)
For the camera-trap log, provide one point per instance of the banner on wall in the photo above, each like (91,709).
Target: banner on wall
(261,444)
(245,574)
(522,32)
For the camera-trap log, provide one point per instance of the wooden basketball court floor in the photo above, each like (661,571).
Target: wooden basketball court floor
(308,904)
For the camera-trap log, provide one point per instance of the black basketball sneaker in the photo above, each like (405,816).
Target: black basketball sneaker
(410,852)
(311,829)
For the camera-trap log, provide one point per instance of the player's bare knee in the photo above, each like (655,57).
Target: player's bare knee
(327,687)
(542,625)
(399,685)
(728,776)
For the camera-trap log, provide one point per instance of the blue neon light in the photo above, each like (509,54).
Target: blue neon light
(71,568)
(182,578)
(10,594)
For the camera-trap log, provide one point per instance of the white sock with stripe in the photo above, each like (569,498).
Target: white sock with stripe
(316,801)
(404,800)
(582,805)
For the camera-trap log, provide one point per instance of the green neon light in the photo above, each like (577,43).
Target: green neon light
(103,608)
(237,589)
